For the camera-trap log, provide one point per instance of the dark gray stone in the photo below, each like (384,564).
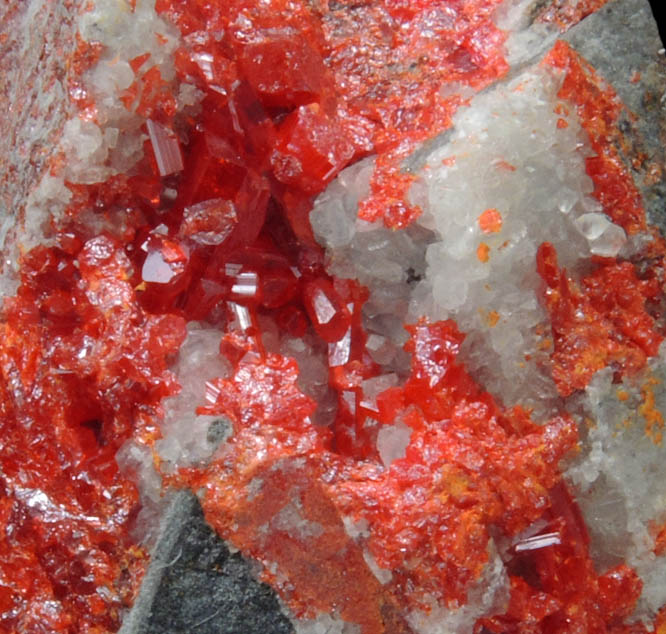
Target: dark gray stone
(622,42)
(195,585)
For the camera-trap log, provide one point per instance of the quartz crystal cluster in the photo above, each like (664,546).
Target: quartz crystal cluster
(373,279)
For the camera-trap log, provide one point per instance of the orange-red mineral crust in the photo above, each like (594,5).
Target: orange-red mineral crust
(603,323)
(83,369)
(598,108)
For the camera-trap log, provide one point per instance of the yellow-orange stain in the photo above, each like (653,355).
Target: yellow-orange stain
(654,419)
(622,395)
(483,252)
(490,221)
(490,317)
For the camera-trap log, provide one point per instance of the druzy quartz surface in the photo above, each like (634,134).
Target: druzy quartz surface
(251,267)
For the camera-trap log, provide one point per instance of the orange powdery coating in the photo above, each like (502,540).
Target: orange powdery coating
(490,221)
(598,109)
(654,419)
(483,252)
(82,369)
(491,317)
(567,13)
(601,322)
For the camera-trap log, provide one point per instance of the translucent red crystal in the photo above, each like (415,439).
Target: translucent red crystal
(83,369)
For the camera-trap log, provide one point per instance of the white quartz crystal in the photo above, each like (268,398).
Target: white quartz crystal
(620,476)
(188,438)
(507,153)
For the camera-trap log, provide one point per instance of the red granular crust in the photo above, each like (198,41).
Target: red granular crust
(598,109)
(567,13)
(598,323)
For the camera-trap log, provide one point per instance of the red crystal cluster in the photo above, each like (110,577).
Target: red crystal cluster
(215,228)
(83,369)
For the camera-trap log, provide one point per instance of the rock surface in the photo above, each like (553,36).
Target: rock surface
(195,584)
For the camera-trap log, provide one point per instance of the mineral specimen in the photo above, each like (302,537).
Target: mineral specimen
(374,279)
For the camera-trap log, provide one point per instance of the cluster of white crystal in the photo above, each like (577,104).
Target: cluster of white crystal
(521,152)
(515,150)
(187,438)
(621,473)
(112,142)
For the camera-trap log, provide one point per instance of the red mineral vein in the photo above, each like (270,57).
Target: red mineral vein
(598,109)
